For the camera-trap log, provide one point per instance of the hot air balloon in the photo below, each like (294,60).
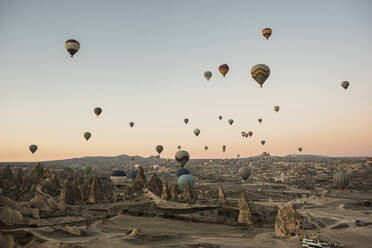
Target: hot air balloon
(263,142)
(266,32)
(223,148)
(205,147)
(87,135)
(118,177)
(186,120)
(300,149)
(345,84)
(197,132)
(87,169)
(179,147)
(72,46)
(224,69)
(97,111)
(131,124)
(243,134)
(33,148)
(246,135)
(260,73)
(133,174)
(208,75)
(341,179)
(182,171)
(159,148)
(220,117)
(182,181)
(260,120)
(250,133)
(231,121)
(244,172)
(276,108)
(182,157)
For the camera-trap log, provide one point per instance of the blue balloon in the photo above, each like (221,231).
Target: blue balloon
(182,171)
(182,180)
(133,174)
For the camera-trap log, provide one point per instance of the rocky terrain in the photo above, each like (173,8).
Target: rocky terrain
(285,199)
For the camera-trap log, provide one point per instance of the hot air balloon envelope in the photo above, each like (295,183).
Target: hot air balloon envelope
(260,73)
(182,180)
(224,69)
(266,32)
(208,75)
(72,46)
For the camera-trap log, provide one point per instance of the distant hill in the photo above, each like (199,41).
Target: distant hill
(306,156)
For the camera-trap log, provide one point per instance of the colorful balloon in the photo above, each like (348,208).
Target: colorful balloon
(300,149)
(260,73)
(220,117)
(231,121)
(131,124)
(345,84)
(97,111)
(87,135)
(208,75)
(87,169)
(183,180)
(244,172)
(72,46)
(224,69)
(276,108)
(33,148)
(243,134)
(186,120)
(250,133)
(266,32)
(196,132)
(260,120)
(341,180)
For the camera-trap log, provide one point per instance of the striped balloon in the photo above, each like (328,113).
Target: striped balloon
(224,69)
(341,179)
(260,73)
(266,32)
(72,46)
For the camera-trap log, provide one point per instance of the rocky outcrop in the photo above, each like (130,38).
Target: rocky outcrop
(165,194)
(96,192)
(155,185)
(174,192)
(139,182)
(221,195)
(288,222)
(52,186)
(6,241)
(67,192)
(24,208)
(44,203)
(11,217)
(245,214)
(186,195)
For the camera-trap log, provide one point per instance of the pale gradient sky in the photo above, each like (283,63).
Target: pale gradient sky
(143,61)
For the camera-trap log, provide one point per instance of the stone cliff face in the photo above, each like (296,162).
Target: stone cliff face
(288,222)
